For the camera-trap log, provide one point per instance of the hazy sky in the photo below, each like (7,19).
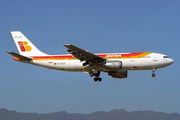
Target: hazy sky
(97,26)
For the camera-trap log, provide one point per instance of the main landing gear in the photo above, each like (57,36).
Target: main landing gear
(96,74)
(153,72)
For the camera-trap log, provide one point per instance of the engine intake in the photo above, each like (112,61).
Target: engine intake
(118,74)
(113,65)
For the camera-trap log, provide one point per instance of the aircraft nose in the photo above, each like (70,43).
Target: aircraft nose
(171,61)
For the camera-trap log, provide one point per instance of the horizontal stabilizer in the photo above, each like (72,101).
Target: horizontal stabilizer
(21,57)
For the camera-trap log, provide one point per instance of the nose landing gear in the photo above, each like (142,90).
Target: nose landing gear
(153,72)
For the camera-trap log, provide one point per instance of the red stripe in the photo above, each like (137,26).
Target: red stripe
(70,56)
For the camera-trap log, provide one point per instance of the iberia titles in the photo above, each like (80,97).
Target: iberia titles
(113,55)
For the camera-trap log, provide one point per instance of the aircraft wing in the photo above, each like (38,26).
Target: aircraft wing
(84,55)
(21,57)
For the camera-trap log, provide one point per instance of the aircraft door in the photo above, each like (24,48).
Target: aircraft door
(155,57)
(51,59)
(133,62)
(132,58)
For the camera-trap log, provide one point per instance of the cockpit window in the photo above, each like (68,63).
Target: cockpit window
(165,57)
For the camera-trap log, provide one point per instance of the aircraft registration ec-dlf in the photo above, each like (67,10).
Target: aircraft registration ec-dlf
(79,60)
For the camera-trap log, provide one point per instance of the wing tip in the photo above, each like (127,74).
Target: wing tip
(66,45)
(9,52)
(14,31)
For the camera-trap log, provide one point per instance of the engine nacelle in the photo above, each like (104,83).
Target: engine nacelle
(118,74)
(113,65)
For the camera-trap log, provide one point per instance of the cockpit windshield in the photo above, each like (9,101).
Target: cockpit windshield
(165,57)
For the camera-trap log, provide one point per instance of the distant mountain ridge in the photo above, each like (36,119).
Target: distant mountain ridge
(101,115)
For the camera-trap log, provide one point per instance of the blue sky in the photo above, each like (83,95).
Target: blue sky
(97,26)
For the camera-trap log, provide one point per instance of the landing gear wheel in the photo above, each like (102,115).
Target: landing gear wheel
(97,79)
(153,72)
(100,79)
(96,74)
(153,75)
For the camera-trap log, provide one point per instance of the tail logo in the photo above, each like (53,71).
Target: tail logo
(24,46)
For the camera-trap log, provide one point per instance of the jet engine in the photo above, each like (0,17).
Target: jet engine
(113,65)
(118,74)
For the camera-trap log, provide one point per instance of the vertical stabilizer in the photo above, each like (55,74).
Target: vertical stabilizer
(24,46)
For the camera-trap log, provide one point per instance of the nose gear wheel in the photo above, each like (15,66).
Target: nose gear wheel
(153,72)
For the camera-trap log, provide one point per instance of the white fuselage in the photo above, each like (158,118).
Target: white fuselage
(151,61)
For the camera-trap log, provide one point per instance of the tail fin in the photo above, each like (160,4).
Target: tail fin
(24,46)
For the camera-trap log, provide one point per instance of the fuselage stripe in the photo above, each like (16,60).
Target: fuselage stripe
(106,56)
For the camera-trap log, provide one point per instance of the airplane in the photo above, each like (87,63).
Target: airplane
(116,65)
